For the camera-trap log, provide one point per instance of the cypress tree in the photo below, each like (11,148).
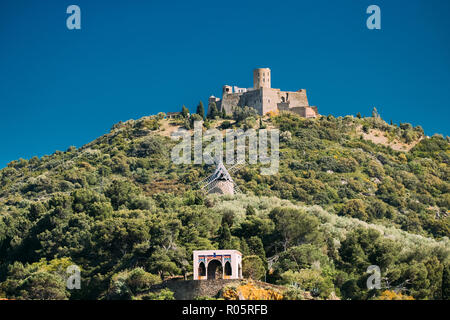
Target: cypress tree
(201,110)
(224,236)
(212,110)
(184,112)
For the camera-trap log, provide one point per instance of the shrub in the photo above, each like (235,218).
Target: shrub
(226,125)
(392,295)
(294,226)
(355,208)
(253,267)
(309,280)
(121,192)
(164,294)
(138,280)
(293,293)
(242,113)
(250,291)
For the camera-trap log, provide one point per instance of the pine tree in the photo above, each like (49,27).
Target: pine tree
(245,250)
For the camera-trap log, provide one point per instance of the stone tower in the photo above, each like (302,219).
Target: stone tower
(227,89)
(261,78)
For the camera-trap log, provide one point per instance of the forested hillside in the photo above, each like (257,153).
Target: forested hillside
(129,217)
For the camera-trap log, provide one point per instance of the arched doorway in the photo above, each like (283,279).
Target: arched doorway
(215,270)
(228,269)
(201,270)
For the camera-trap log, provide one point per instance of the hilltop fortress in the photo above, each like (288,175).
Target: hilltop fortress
(263,98)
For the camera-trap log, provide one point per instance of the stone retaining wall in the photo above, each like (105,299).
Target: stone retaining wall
(190,289)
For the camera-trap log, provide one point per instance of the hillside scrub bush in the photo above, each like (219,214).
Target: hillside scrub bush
(309,280)
(118,204)
(253,267)
(243,113)
(164,294)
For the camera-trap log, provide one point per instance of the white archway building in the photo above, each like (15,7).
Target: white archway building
(217,264)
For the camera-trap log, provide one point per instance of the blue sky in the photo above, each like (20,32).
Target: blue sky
(61,87)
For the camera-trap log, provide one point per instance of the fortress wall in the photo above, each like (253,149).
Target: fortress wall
(301,111)
(249,98)
(252,99)
(270,99)
(305,112)
(297,99)
(190,289)
(310,112)
(283,107)
(229,101)
(265,100)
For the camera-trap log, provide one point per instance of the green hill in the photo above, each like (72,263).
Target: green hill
(127,216)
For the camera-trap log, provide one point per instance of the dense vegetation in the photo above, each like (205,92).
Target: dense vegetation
(128,217)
